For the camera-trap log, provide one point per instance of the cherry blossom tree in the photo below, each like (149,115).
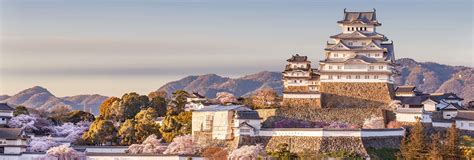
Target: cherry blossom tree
(64,152)
(40,144)
(150,145)
(71,131)
(248,152)
(374,122)
(30,123)
(182,145)
(225,98)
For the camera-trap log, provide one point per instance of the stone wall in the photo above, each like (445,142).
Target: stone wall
(353,116)
(296,89)
(345,94)
(302,102)
(323,144)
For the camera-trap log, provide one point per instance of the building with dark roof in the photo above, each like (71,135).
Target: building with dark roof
(6,113)
(12,141)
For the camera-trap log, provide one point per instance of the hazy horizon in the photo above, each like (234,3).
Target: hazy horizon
(113,47)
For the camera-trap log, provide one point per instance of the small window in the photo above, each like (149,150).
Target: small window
(301,81)
(330,67)
(352,28)
(338,76)
(380,67)
(471,124)
(3,119)
(364,43)
(357,76)
(462,124)
(371,67)
(348,29)
(350,43)
(294,81)
(336,55)
(365,28)
(348,77)
(376,77)
(343,55)
(366,76)
(330,77)
(377,54)
(339,67)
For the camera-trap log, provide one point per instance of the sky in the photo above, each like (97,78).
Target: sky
(112,47)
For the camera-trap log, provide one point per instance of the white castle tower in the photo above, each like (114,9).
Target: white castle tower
(359,53)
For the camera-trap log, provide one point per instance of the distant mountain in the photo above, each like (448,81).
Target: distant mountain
(210,84)
(429,77)
(40,98)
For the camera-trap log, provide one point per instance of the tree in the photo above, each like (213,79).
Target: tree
(436,152)
(160,105)
(155,94)
(264,98)
(105,110)
(175,125)
(283,153)
(31,124)
(40,144)
(71,131)
(451,144)
(64,152)
(150,145)
(467,146)
(182,145)
(179,100)
(226,98)
(100,132)
(414,146)
(132,103)
(127,131)
(58,113)
(79,116)
(248,152)
(20,110)
(146,125)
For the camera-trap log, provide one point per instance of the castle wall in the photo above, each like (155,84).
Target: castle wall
(296,89)
(344,94)
(302,102)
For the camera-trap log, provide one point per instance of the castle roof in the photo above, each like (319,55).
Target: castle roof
(355,59)
(11,133)
(360,17)
(298,58)
(6,107)
(465,115)
(405,89)
(390,52)
(250,114)
(340,46)
(359,35)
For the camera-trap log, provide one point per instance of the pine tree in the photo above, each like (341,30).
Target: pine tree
(436,152)
(413,146)
(451,145)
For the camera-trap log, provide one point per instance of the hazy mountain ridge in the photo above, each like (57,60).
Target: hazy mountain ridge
(40,98)
(429,77)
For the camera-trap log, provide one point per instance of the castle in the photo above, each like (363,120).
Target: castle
(359,60)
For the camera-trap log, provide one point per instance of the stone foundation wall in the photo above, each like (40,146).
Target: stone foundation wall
(346,94)
(323,144)
(302,102)
(352,116)
(296,89)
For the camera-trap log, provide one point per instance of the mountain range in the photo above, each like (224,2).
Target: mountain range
(428,77)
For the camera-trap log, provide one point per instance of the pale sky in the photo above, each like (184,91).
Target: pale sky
(111,47)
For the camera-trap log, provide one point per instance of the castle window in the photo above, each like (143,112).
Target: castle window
(330,67)
(380,67)
(302,66)
(371,67)
(366,76)
(365,28)
(294,81)
(336,55)
(350,43)
(357,76)
(376,77)
(377,54)
(348,76)
(339,67)
(338,76)
(348,29)
(364,43)
(352,28)
(343,55)
(301,81)
(330,77)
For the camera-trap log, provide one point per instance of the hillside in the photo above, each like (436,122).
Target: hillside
(40,98)
(427,76)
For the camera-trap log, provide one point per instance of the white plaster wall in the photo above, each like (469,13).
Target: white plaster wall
(6,113)
(465,125)
(221,127)
(441,124)
(370,28)
(332,133)
(408,117)
(449,114)
(294,95)
(12,150)
(198,120)
(106,150)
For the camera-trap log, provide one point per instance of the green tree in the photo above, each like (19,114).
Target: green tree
(414,146)
(126,132)
(77,116)
(155,94)
(105,109)
(100,132)
(265,98)
(185,120)
(132,103)
(160,105)
(20,110)
(146,125)
(58,113)
(176,125)
(436,152)
(179,100)
(451,143)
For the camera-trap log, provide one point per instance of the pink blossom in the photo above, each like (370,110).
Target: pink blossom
(374,122)
(150,145)
(248,152)
(225,97)
(40,144)
(182,145)
(63,152)
(71,131)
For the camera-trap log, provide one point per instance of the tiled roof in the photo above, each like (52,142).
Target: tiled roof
(10,133)
(465,115)
(405,89)
(197,95)
(360,17)
(247,115)
(409,110)
(215,108)
(298,58)
(438,117)
(359,35)
(415,100)
(5,106)
(340,46)
(390,52)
